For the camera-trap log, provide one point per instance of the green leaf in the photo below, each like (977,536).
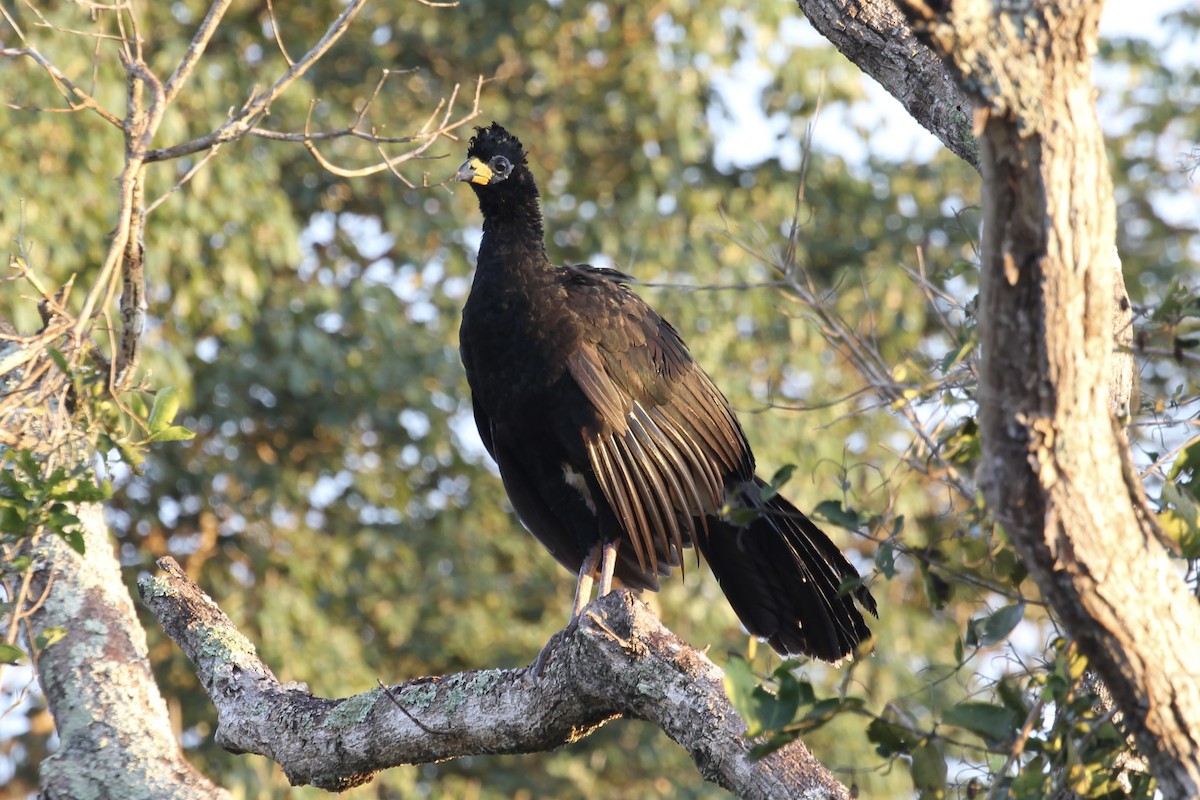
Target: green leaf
(782,476)
(938,590)
(1187,463)
(740,685)
(10,654)
(885,559)
(952,358)
(174,433)
(1033,780)
(962,446)
(14,486)
(28,464)
(136,403)
(774,711)
(12,520)
(59,359)
(832,511)
(1012,696)
(74,538)
(1180,518)
(59,520)
(1006,562)
(162,414)
(929,769)
(991,722)
(995,627)
(891,738)
(824,711)
(50,636)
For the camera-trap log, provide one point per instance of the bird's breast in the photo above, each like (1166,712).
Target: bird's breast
(514,356)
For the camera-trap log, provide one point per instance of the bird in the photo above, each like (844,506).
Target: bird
(616,449)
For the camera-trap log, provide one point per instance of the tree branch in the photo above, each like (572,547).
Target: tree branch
(618,662)
(875,36)
(199,43)
(65,85)
(258,105)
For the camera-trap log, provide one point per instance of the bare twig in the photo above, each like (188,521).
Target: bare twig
(425,136)
(278,39)
(259,104)
(140,129)
(196,49)
(82,100)
(185,178)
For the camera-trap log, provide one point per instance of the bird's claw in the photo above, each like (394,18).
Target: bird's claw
(538,666)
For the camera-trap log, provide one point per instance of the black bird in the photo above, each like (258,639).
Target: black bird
(615,448)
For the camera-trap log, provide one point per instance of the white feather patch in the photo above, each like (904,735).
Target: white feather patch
(577,482)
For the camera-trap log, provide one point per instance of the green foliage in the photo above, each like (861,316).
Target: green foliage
(1179,499)
(11,654)
(782,709)
(31,501)
(995,724)
(995,627)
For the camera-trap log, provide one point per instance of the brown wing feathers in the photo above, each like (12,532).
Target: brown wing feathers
(659,454)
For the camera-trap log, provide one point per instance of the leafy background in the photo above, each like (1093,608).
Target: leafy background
(336,501)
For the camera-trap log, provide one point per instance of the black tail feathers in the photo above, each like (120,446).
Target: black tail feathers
(787,582)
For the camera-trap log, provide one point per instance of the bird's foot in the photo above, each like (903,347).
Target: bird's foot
(538,666)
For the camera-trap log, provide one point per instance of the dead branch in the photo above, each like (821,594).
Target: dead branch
(257,105)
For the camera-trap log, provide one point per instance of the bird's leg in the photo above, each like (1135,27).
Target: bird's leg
(583,587)
(602,556)
(583,592)
(607,567)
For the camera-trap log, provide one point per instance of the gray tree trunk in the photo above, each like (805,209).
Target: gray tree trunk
(115,733)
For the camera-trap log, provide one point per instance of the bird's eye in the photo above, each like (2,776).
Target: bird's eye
(500,166)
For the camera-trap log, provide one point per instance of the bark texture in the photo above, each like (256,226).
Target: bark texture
(1055,461)
(618,662)
(875,36)
(115,732)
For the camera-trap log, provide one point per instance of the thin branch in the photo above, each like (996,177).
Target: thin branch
(425,135)
(185,178)
(278,39)
(139,133)
(133,294)
(65,85)
(196,49)
(258,104)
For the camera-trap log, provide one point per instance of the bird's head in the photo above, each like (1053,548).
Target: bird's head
(493,157)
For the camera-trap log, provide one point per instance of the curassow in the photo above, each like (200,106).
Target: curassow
(616,449)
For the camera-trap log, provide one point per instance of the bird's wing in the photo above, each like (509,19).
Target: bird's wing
(666,440)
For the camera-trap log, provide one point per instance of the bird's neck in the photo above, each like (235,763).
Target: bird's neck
(513,235)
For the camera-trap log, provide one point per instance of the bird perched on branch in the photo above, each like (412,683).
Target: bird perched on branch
(616,449)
